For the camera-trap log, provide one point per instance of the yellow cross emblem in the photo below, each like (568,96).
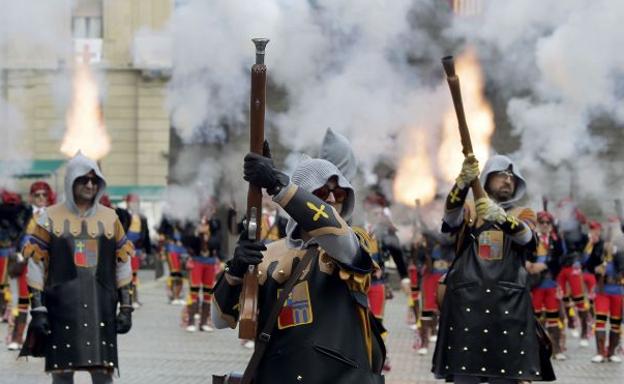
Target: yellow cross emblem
(513,222)
(318,211)
(455,196)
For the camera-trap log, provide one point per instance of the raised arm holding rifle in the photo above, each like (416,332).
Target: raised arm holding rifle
(324,332)
(487,329)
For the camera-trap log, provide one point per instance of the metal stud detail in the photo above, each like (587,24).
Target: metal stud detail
(506,312)
(463,368)
(519,372)
(484,349)
(299,378)
(465,348)
(502,371)
(67,345)
(54,347)
(101,324)
(467,309)
(85,325)
(466,329)
(67,327)
(504,351)
(487,311)
(488,290)
(504,332)
(482,369)
(521,333)
(485,331)
(522,352)
(89,361)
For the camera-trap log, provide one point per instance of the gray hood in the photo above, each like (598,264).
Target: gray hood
(337,150)
(498,163)
(312,174)
(80,165)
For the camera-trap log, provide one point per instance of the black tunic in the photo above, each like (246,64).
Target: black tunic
(487,326)
(81,303)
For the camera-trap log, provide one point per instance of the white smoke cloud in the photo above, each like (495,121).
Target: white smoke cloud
(30,37)
(558,65)
(342,64)
(370,70)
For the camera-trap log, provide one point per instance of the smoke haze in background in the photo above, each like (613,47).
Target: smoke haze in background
(559,66)
(341,64)
(30,36)
(370,70)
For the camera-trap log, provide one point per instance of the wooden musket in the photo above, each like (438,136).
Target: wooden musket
(248,320)
(453,82)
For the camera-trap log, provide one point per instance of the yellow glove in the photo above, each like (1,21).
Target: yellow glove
(488,210)
(469,171)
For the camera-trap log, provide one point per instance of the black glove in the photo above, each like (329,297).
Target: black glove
(247,253)
(124,320)
(39,323)
(261,172)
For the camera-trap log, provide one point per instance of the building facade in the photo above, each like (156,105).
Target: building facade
(132,69)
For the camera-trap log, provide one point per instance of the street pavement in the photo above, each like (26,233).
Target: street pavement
(159,351)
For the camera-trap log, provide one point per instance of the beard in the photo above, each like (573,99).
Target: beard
(502,195)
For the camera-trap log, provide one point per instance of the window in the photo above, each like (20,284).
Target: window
(84,27)
(87,19)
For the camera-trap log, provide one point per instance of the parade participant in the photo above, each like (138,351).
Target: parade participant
(203,267)
(138,233)
(488,331)
(438,253)
(594,244)
(384,245)
(41,196)
(415,260)
(273,224)
(172,233)
(546,294)
(324,333)
(78,272)
(570,278)
(13,218)
(608,267)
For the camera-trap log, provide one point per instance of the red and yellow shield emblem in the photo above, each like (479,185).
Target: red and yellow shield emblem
(297,309)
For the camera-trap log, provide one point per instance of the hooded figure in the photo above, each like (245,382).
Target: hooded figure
(487,327)
(498,163)
(324,332)
(337,150)
(78,271)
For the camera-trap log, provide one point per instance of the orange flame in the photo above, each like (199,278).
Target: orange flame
(479,117)
(415,178)
(85,126)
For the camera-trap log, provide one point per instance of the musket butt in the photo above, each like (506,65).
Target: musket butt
(260,44)
(449,66)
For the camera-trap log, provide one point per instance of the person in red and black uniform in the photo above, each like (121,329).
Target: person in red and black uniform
(206,257)
(544,268)
(13,218)
(138,233)
(41,196)
(607,268)
(570,278)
